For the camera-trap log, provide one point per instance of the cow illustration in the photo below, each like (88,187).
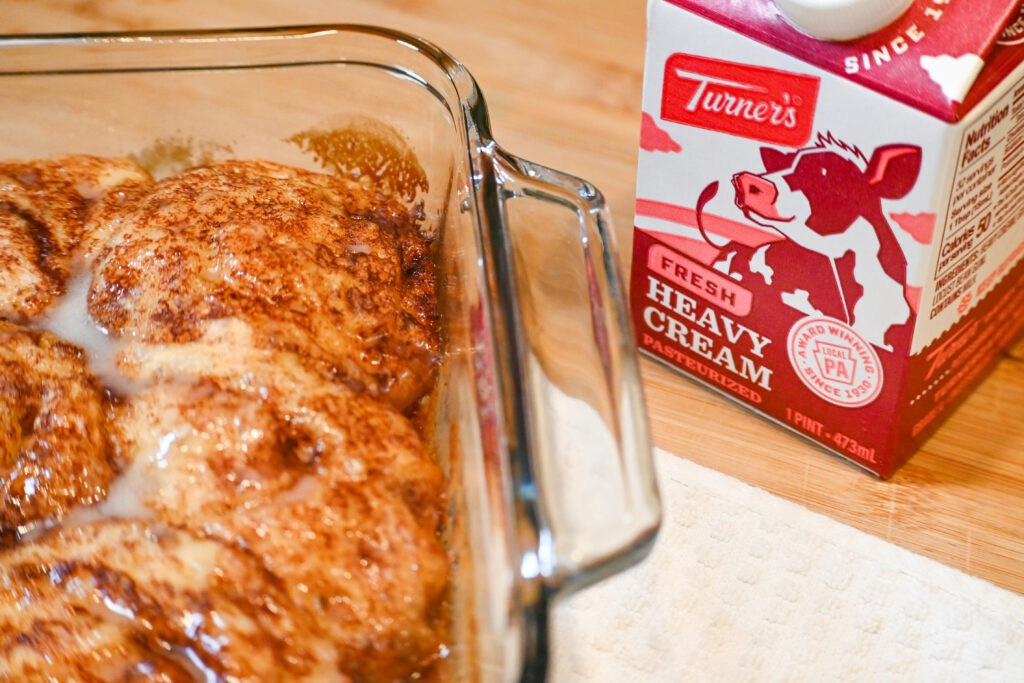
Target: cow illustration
(839,256)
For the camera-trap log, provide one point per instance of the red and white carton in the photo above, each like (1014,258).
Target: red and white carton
(833,232)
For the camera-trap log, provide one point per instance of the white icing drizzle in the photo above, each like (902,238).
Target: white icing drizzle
(69,319)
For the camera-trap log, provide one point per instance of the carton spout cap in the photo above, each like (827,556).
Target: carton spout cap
(842,19)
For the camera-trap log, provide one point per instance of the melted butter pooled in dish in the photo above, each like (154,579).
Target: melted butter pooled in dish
(244,498)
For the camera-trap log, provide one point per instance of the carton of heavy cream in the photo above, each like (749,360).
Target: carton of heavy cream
(830,208)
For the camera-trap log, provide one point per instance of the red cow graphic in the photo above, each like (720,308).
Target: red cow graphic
(840,256)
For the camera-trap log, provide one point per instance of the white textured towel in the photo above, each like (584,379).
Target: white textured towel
(743,585)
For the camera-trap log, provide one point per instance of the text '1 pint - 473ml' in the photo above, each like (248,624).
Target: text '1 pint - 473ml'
(830,208)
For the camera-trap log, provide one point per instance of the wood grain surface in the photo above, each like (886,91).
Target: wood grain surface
(563,81)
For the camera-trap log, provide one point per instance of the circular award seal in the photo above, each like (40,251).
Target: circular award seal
(835,362)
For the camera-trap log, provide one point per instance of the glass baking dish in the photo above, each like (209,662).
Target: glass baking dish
(538,416)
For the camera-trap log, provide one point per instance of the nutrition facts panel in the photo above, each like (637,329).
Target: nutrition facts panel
(986,202)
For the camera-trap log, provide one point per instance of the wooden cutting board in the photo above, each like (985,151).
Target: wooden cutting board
(563,81)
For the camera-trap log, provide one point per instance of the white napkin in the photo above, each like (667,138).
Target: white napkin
(743,585)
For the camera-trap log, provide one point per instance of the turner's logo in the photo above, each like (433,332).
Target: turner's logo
(740,99)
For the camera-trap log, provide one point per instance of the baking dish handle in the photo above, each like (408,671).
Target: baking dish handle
(589,445)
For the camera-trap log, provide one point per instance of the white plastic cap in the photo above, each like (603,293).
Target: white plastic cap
(842,19)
